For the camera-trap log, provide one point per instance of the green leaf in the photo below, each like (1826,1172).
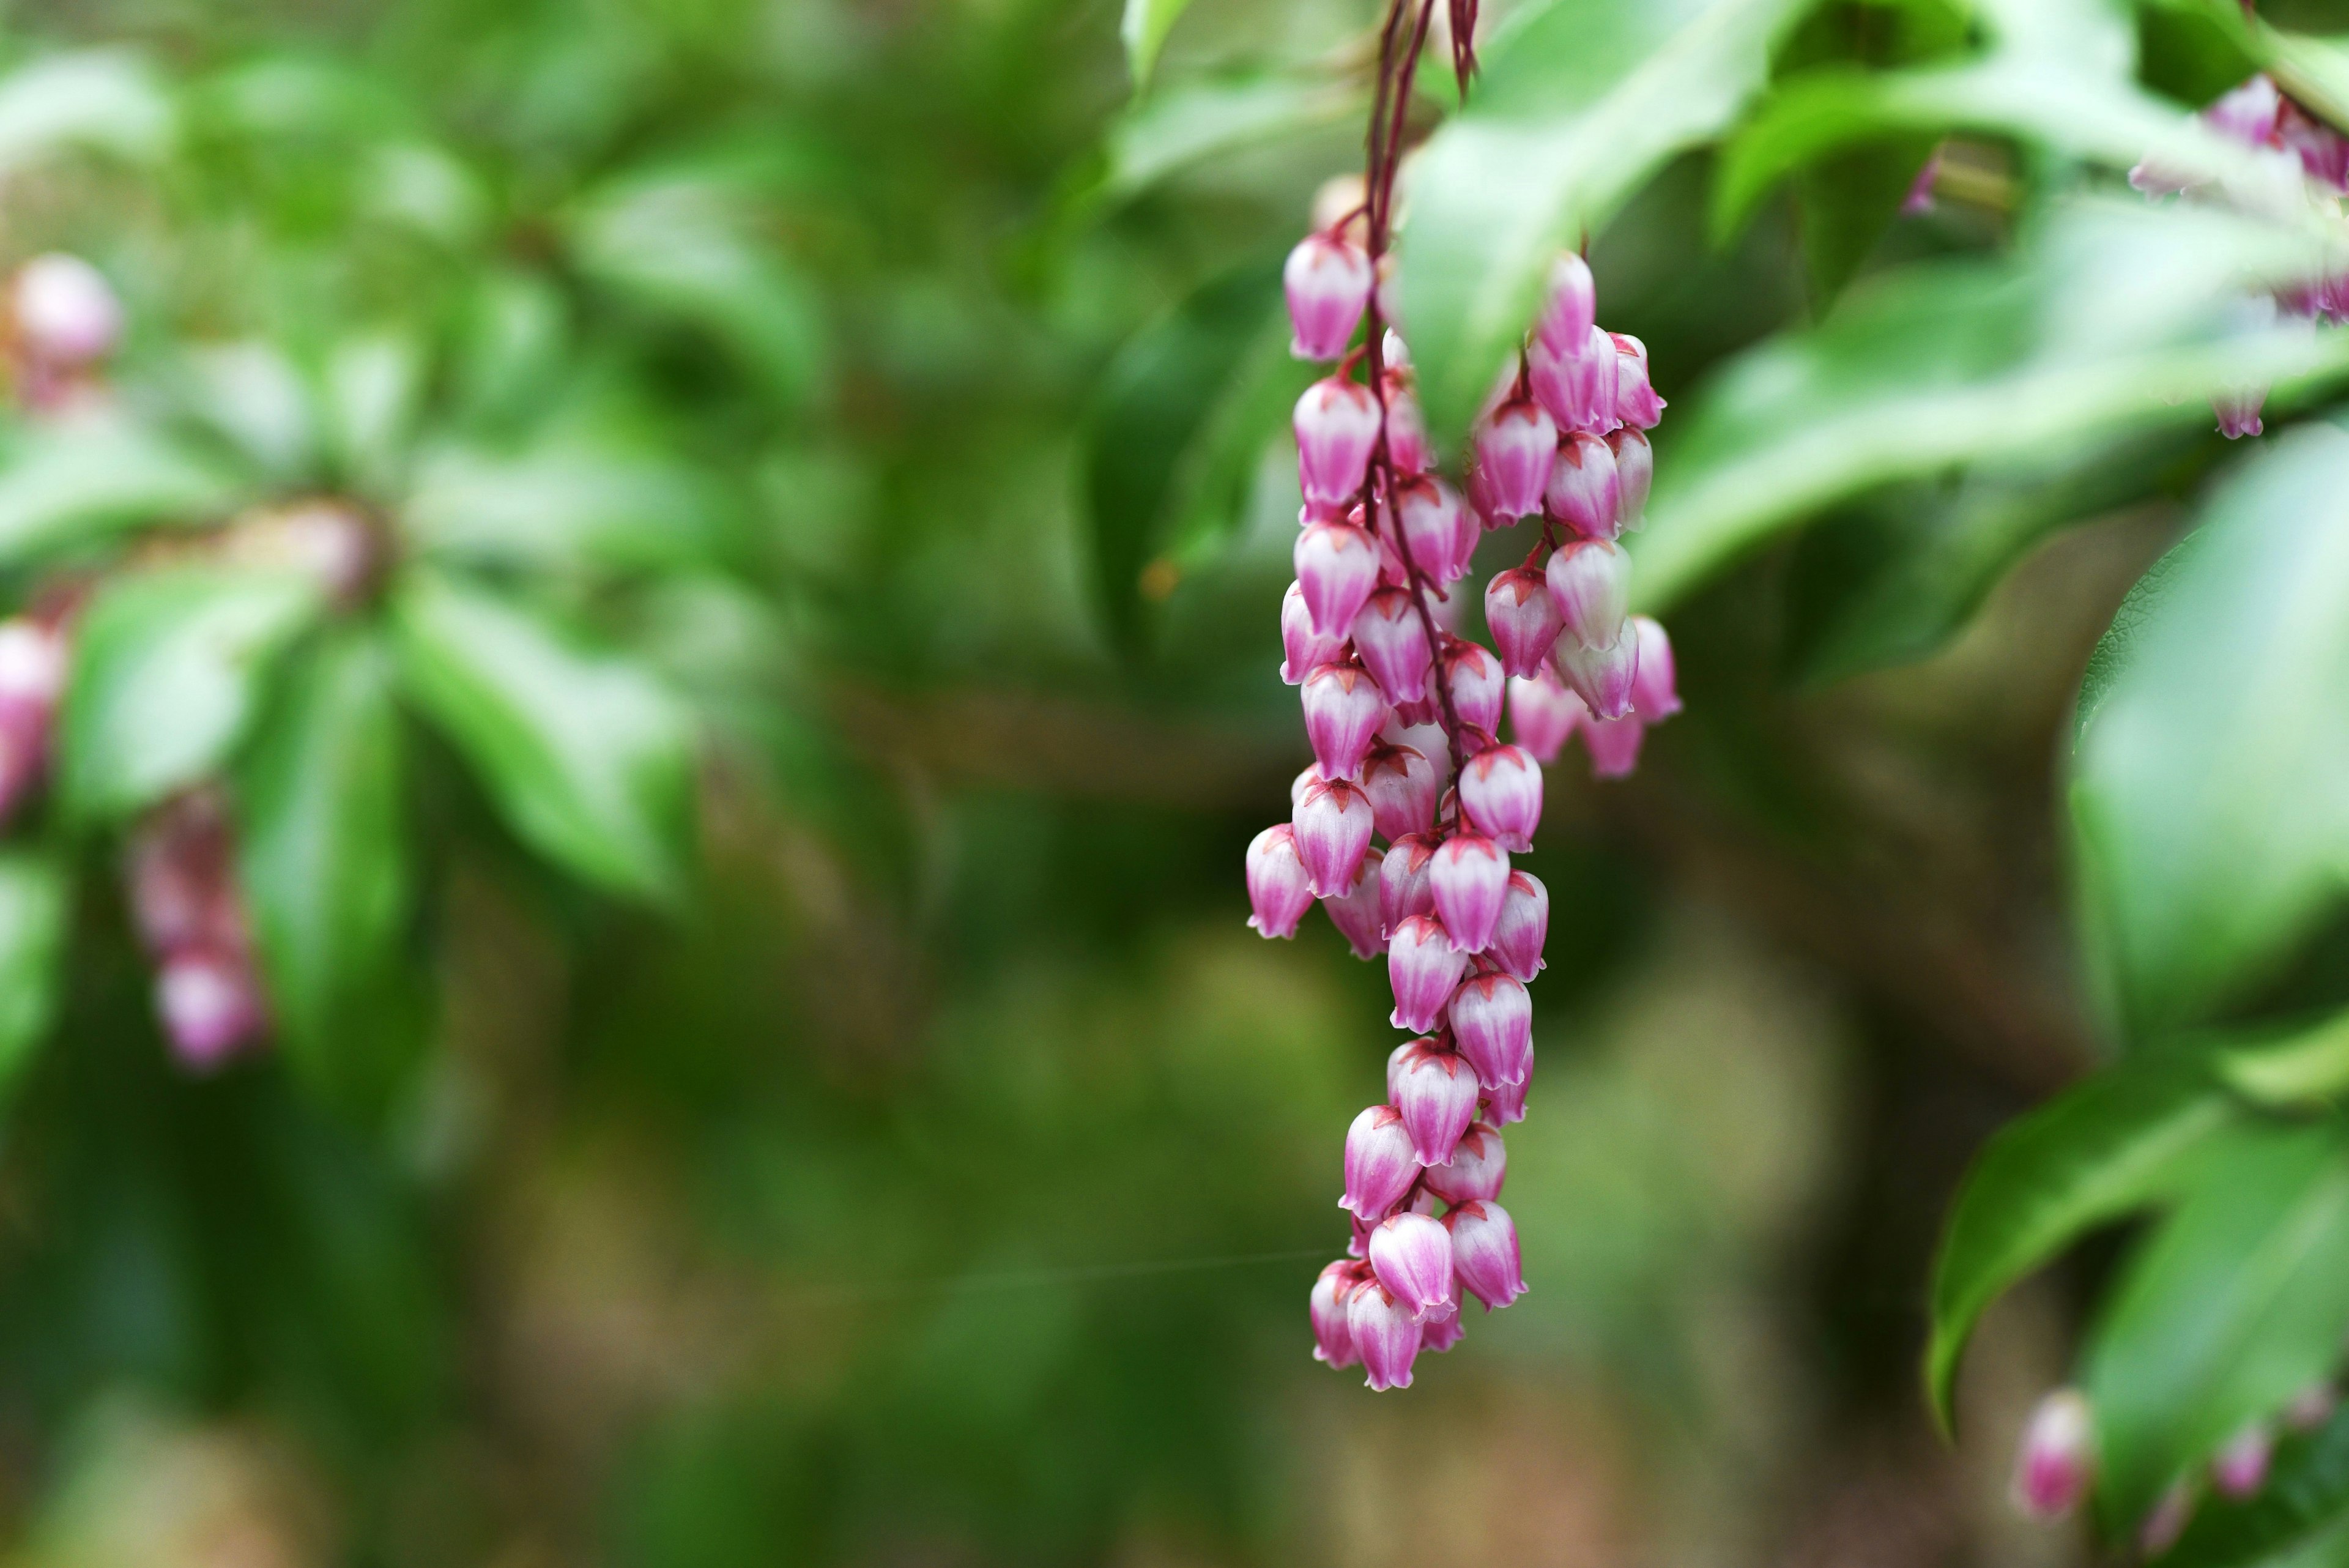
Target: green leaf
(1144,30)
(2118,1143)
(1576,110)
(32,943)
(589,758)
(2139,608)
(107,99)
(2304,1506)
(323,859)
(374,387)
(1172,442)
(2210,826)
(167,673)
(1178,130)
(255,396)
(2230,1307)
(568,502)
(1846,204)
(2287,1067)
(64,486)
(2121,320)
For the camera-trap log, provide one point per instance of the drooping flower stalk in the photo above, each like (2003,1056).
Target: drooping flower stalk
(1398,706)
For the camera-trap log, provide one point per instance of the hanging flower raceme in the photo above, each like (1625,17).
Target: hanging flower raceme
(1403,712)
(184,902)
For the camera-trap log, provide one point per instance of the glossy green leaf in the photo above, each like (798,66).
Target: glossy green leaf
(2118,1142)
(168,670)
(1198,123)
(2303,1508)
(569,503)
(1143,30)
(1577,108)
(2210,827)
(588,757)
(69,484)
(33,894)
(2290,1065)
(2119,321)
(2231,1306)
(105,100)
(323,860)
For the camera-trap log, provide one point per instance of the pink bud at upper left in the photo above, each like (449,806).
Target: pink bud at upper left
(1412,1256)
(1333,825)
(1485,1252)
(1328,282)
(1469,879)
(1337,426)
(1501,791)
(1343,710)
(2057,1459)
(1337,571)
(1355,912)
(1522,617)
(1279,890)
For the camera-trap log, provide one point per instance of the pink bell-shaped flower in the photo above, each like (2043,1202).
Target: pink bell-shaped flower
(1615,746)
(1403,787)
(1432,524)
(1279,890)
(1328,281)
(1474,681)
(1436,1093)
(1635,471)
(1591,583)
(1501,791)
(1575,385)
(1505,1107)
(1343,710)
(1406,426)
(1470,879)
(66,314)
(1333,823)
(1585,491)
(1403,887)
(2057,1459)
(1355,912)
(1543,713)
(1380,1166)
(1333,1337)
(1441,1332)
(1654,695)
(2239,1468)
(2238,409)
(1602,677)
(1412,1256)
(1522,617)
(1337,571)
(1478,1166)
(2247,113)
(1386,1334)
(1513,450)
(1424,968)
(1304,649)
(1398,1059)
(1636,403)
(1523,928)
(1492,1024)
(1485,1252)
(210,1005)
(1570,306)
(1337,425)
(1393,642)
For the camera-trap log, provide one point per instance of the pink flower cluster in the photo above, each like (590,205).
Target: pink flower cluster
(183,899)
(62,320)
(1402,713)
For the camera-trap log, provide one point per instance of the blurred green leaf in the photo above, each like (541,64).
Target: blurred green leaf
(107,99)
(2288,1066)
(589,758)
(509,345)
(2231,1306)
(322,857)
(2123,318)
(1575,111)
(2100,1151)
(1144,30)
(1848,201)
(2304,1503)
(2208,824)
(33,894)
(566,503)
(1183,128)
(374,387)
(66,484)
(167,673)
(254,395)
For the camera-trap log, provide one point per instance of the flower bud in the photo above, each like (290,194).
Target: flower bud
(1303,647)
(65,313)
(1473,679)
(1469,878)
(2239,1470)
(1576,385)
(1591,583)
(1602,677)
(1343,710)
(1403,889)
(1441,1332)
(1523,928)
(1333,831)
(1485,1252)
(1337,425)
(1355,912)
(1380,1168)
(2247,113)
(1654,695)
(1328,281)
(1570,306)
(1393,350)
(2238,409)
(1393,642)
(1386,1334)
(1492,1024)
(1501,791)
(1424,968)
(1333,1338)
(1478,1166)
(2057,1459)
(1543,713)
(1337,570)
(1513,450)
(1636,403)
(1635,471)
(1406,426)
(1412,1256)
(1276,884)
(1585,491)
(1614,746)
(183,878)
(1436,1093)
(210,1005)
(1505,1107)
(2171,1513)
(1522,617)
(1433,524)
(1403,787)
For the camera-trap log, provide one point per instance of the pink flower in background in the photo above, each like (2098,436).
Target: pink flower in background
(185,905)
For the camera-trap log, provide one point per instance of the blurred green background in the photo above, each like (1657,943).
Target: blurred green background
(935,1173)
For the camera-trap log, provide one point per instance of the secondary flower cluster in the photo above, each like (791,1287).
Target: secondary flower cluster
(1403,712)
(2301,152)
